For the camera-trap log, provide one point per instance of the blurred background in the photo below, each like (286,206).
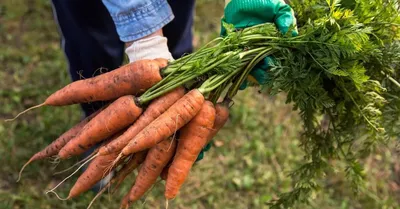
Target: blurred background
(246,167)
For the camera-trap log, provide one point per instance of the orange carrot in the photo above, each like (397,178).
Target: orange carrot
(180,113)
(56,145)
(155,161)
(137,159)
(118,115)
(155,109)
(99,167)
(122,173)
(130,79)
(94,172)
(125,202)
(192,139)
(221,116)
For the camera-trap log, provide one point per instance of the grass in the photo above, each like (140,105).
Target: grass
(247,166)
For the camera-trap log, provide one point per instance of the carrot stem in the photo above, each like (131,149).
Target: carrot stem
(217,80)
(150,95)
(202,50)
(235,87)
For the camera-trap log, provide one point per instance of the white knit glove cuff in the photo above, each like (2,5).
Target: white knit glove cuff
(149,48)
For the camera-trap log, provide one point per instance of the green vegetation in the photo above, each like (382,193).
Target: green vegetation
(247,166)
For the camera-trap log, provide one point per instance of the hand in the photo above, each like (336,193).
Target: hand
(242,14)
(205,149)
(149,47)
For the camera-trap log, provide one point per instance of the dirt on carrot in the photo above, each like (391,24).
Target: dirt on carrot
(117,116)
(154,110)
(180,113)
(53,148)
(193,137)
(156,160)
(130,79)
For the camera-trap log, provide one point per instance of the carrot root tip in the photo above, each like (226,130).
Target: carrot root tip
(55,193)
(23,167)
(98,195)
(19,114)
(73,173)
(74,165)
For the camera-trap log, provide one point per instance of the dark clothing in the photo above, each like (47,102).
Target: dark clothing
(92,45)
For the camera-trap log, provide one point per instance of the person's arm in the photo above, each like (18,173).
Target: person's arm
(139,24)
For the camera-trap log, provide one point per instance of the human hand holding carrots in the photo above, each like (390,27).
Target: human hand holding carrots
(328,49)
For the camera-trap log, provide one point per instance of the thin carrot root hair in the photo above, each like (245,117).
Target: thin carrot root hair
(68,177)
(170,144)
(23,112)
(22,169)
(116,186)
(55,164)
(120,155)
(174,135)
(108,185)
(148,192)
(108,170)
(58,197)
(54,160)
(80,73)
(113,190)
(74,165)
(100,69)
(112,165)
(124,204)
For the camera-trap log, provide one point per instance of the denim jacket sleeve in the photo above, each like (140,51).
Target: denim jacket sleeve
(135,19)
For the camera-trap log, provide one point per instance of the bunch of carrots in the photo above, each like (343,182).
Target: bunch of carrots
(160,114)
(134,134)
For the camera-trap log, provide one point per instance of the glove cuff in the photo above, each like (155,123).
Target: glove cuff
(149,48)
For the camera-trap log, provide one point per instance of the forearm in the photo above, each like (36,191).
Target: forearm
(137,19)
(139,24)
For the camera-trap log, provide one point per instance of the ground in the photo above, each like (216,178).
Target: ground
(246,167)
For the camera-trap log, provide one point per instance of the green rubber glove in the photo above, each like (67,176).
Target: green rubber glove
(247,13)
(259,74)
(205,149)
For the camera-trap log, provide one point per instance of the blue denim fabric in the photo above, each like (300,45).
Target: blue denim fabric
(135,19)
